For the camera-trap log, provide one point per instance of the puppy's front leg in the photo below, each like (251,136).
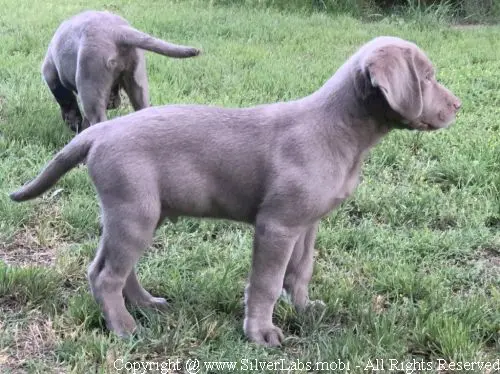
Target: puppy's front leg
(273,246)
(300,268)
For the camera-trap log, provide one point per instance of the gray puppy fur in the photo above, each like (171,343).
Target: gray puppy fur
(280,167)
(94,54)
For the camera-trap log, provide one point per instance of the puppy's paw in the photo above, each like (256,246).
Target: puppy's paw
(114,101)
(73,119)
(286,297)
(315,304)
(301,302)
(151,302)
(267,335)
(124,326)
(85,124)
(158,303)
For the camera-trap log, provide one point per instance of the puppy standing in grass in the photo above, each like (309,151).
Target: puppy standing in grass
(94,54)
(280,167)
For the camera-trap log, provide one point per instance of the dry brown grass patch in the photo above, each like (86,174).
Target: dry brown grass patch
(25,250)
(37,242)
(33,339)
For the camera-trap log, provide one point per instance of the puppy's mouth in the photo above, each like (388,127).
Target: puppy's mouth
(417,125)
(426,126)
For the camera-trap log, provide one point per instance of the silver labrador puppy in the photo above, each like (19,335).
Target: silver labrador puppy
(280,167)
(95,54)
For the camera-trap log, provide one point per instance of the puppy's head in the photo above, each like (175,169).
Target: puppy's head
(406,79)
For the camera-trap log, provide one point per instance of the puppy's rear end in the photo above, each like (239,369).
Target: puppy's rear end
(95,54)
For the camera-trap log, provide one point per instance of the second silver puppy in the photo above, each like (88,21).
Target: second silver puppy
(94,54)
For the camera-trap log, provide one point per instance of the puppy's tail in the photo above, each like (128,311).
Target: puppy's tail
(66,159)
(126,35)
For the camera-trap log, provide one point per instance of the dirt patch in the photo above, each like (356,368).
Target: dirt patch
(491,255)
(37,242)
(26,250)
(488,261)
(379,304)
(34,338)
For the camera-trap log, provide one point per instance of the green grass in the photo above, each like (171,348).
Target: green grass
(409,267)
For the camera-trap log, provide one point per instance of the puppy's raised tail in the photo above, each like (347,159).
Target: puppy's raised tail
(127,35)
(65,160)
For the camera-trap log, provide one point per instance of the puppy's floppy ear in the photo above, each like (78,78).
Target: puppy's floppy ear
(392,69)
(361,82)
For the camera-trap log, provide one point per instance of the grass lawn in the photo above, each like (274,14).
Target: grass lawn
(409,268)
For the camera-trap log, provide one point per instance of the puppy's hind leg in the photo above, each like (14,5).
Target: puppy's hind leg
(300,269)
(127,232)
(94,98)
(94,81)
(114,97)
(137,295)
(136,86)
(65,98)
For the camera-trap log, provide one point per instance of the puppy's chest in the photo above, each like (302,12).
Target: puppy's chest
(342,188)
